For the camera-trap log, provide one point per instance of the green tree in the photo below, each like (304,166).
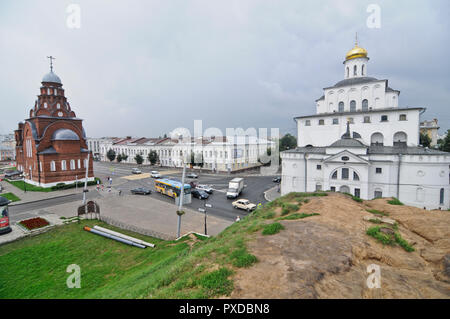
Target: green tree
(124,157)
(139,159)
(153,157)
(445,144)
(119,158)
(288,142)
(111,155)
(425,140)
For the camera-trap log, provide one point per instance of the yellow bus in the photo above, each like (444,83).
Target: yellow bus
(171,187)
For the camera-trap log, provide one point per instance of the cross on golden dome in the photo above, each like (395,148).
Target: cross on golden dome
(356,52)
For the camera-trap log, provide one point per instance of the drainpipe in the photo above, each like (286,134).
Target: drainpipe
(398,175)
(306,172)
(39,169)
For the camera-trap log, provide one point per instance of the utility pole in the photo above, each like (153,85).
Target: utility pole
(209,206)
(180,207)
(85,190)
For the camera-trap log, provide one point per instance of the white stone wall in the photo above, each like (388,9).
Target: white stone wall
(325,135)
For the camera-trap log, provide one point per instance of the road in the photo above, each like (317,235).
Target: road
(254,189)
(23,211)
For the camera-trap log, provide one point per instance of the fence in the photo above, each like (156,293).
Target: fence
(139,230)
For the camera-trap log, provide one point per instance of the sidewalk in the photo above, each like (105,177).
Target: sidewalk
(27,197)
(272,194)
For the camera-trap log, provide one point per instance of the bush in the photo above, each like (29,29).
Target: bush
(395,201)
(272,229)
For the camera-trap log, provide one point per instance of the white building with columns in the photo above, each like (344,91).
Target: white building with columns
(360,141)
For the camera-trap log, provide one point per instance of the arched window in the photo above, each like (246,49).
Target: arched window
(45,105)
(355,70)
(348,72)
(334,176)
(353,106)
(52,166)
(63,165)
(362,69)
(355,176)
(341,106)
(365,105)
(400,138)
(441,196)
(377,138)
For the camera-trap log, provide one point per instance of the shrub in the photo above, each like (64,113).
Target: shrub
(375,221)
(272,229)
(269,215)
(395,201)
(284,211)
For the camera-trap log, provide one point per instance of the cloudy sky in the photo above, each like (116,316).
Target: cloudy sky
(143,68)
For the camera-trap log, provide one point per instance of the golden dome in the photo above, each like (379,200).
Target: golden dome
(356,52)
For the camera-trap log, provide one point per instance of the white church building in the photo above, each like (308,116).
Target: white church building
(360,141)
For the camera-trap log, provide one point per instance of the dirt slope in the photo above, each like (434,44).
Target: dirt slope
(327,256)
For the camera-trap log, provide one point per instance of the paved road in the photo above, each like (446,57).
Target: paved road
(23,211)
(255,186)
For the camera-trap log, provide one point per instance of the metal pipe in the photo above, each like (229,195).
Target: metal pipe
(128,242)
(111,232)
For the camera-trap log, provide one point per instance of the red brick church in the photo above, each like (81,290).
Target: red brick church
(51,144)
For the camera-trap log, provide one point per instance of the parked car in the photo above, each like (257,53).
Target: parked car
(205,188)
(277,179)
(155,174)
(141,191)
(136,171)
(192,175)
(244,204)
(200,194)
(13,174)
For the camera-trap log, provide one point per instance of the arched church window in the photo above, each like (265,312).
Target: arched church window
(362,69)
(377,138)
(341,106)
(353,106)
(72,164)
(355,176)
(441,196)
(365,105)
(45,105)
(52,166)
(348,72)
(344,173)
(334,176)
(355,70)
(58,106)
(63,165)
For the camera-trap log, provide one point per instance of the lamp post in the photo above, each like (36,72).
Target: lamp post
(180,206)
(208,206)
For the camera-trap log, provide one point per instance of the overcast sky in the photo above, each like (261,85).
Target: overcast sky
(143,68)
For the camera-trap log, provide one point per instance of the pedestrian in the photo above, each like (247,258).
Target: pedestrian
(98,185)
(238,218)
(110,181)
(103,187)
(120,192)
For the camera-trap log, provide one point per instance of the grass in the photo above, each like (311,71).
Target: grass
(386,239)
(395,201)
(272,229)
(377,212)
(355,198)
(297,216)
(241,258)
(11,197)
(33,188)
